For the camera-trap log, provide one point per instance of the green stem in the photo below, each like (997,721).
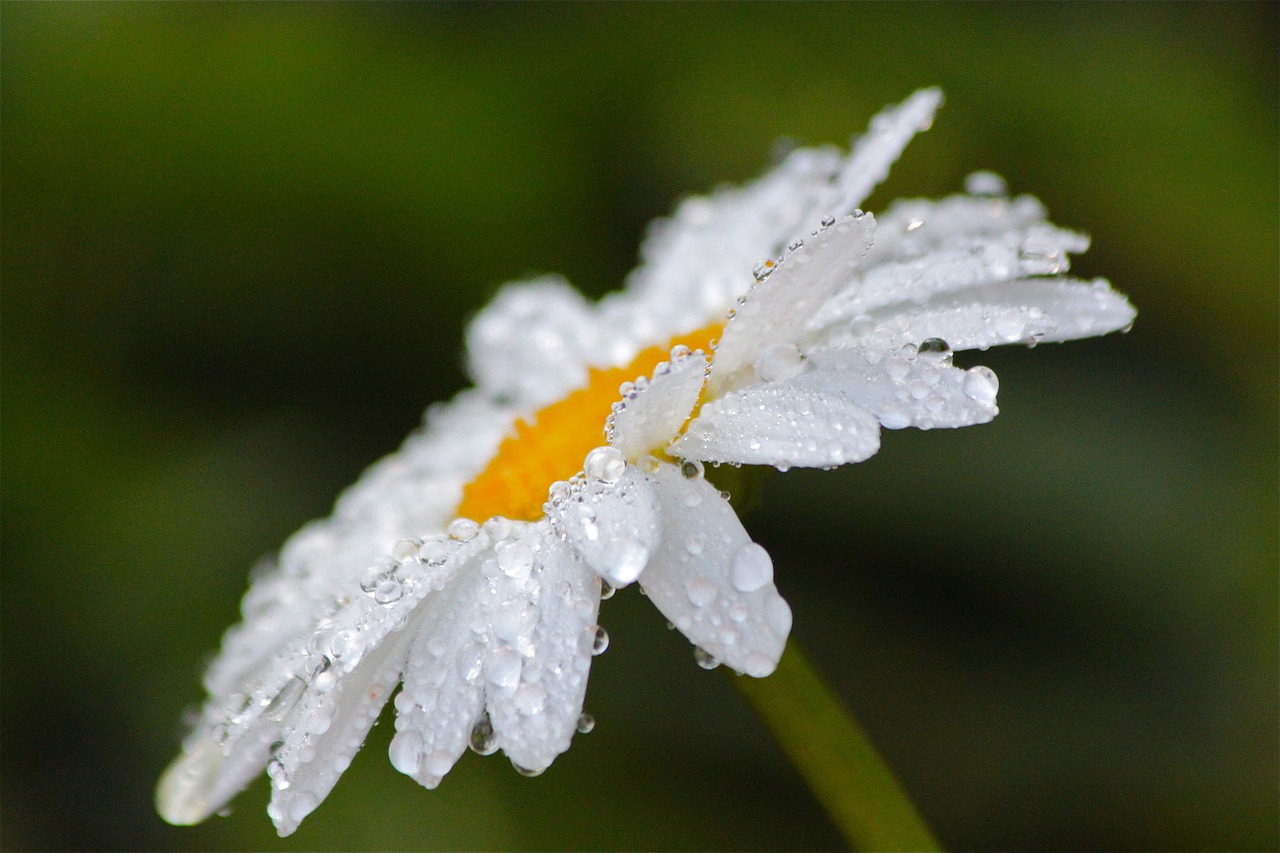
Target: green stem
(835,758)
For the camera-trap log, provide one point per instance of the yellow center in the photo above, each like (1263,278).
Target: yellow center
(550,444)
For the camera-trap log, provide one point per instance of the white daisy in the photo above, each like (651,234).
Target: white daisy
(468,565)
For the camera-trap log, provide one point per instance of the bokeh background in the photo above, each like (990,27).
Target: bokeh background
(240,243)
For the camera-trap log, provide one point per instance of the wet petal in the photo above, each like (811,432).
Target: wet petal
(712,581)
(907,388)
(783,424)
(645,419)
(533,342)
(872,154)
(535,715)
(613,526)
(779,307)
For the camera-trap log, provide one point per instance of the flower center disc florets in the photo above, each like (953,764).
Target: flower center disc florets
(550,444)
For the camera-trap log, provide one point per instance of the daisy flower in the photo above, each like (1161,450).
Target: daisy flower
(775,324)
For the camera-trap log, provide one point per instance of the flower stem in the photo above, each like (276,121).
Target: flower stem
(835,758)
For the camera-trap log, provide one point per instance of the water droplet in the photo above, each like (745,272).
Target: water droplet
(530,699)
(704,658)
(527,772)
(758,665)
(483,739)
(388,591)
(463,529)
(594,639)
(435,553)
(586,723)
(750,568)
(406,752)
(701,591)
(763,269)
(605,465)
(436,646)
(935,351)
(405,550)
(279,707)
(779,362)
(828,221)
(1009,326)
(302,805)
(469,660)
(372,576)
(692,469)
(914,224)
(502,667)
(981,384)
(692,497)
(694,545)
(624,559)
(346,645)
(896,368)
(679,352)
(515,559)
(986,184)
(895,416)
(606,590)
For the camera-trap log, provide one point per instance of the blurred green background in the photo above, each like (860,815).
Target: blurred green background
(239,246)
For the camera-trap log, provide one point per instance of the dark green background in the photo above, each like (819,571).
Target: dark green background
(239,246)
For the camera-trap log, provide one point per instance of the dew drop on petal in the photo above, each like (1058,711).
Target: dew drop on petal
(502,667)
(986,184)
(704,658)
(594,639)
(828,221)
(463,529)
(779,362)
(526,772)
(701,591)
(626,558)
(606,590)
(406,752)
(691,469)
(483,740)
(764,268)
(388,591)
(515,559)
(981,384)
(586,723)
(604,465)
(302,805)
(530,699)
(751,568)
(935,350)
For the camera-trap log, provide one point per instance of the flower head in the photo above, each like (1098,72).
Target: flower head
(776,324)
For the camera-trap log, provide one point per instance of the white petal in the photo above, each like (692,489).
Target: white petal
(712,581)
(645,419)
(872,154)
(533,342)
(535,718)
(782,424)
(905,389)
(443,689)
(614,526)
(327,729)
(1036,310)
(778,308)
(697,262)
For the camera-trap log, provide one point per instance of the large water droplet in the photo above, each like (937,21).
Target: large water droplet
(605,465)
(530,699)
(764,268)
(463,529)
(625,558)
(526,771)
(701,591)
(586,723)
(751,568)
(691,469)
(981,384)
(405,550)
(388,591)
(502,667)
(406,752)
(935,351)
(515,559)
(594,639)
(483,740)
(283,703)
(779,362)
(704,658)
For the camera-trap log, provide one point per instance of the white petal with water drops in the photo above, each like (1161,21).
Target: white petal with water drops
(535,718)
(614,527)
(785,424)
(711,581)
(905,389)
(776,310)
(645,419)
